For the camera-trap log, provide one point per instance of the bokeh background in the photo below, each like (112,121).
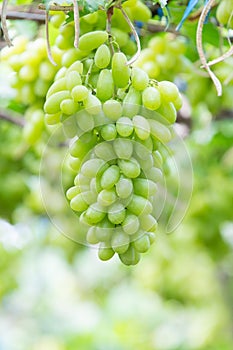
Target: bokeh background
(56,294)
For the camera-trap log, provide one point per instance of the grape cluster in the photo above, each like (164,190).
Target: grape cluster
(32,77)
(121,118)
(164,57)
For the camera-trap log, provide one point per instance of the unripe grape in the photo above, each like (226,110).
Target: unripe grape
(142,244)
(130,168)
(91,236)
(91,167)
(132,102)
(52,104)
(148,223)
(110,177)
(105,87)
(108,132)
(139,79)
(116,213)
(144,187)
(123,148)
(76,66)
(151,98)
(105,253)
(131,224)
(106,197)
(142,127)
(73,79)
(77,203)
(124,187)
(112,109)
(92,40)
(92,104)
(169,91)
(130,257)
(160,131)
(168,111)
(102,56)
(139,205)
(58,85)
(124,126)
(120,242)
(104,231)
(68,106)
(95,213)
(105,151)
(80,93)
(120,36)
(120,70)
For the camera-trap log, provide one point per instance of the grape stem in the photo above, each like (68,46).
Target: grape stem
(17,120)
(49,52)
(200,49)
(108,29)
(135,34)
(4,24)
(56,8)
(76,23)
(88,74)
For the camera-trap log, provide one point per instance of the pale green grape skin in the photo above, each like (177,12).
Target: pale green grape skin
(82,181)
(92,40)
(120,36)
(105,86)
(142,127)
(144,187)
(105,151)
(110,177)
(139,79)
(105,252)
(120,70)
(151,236)
(168,112)
(130,168)
(52,104)
(154,174)
(124,187)
(169,91)
(78,204)
(148,223)
(160,131)
(79,93)
(132,102)
(178,102)
(106,197)
(158,159)
(102,56)
(109,132)
(92,104)
(124,126)
(130,257)
(104,230)
(91,236)
(58,85)
(72,192)
(120,242)
(91,167)
(146,163)
(74,164)
(68,106)
(60,74)
(95,213)
(139,205)
(131,224)
(116,213)
(112,109)
(123,148)
(52,119)
(73,79)
(85,121)
(142,244)
(75,67)
(151,98)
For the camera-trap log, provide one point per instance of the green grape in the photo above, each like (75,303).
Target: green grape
(169,91)
(105,86)
(77,203)
(91,236)
(76,66)
(160,131)
(58,85)
(95,213)
(168,111)
(139,79)
(106,197)
(52,119)
(139,205)
(141,12)
(28,73)
(110,177)
(60,74)
(147,162)
(105,151)
(120,70)
(109,132)
(41,87)
(92,40)
(89,197)
(72,192)
(130,168)
(47,71)
(92,104)
(124,187)
(57,19)
(154,174)
(73,78)
(104,230)
(68,107)
(120,36)
(112,109)
(102,56)
(151,98)
(123,148)
(124,126)
(85,121)
(148,223)
(144,187)
(151,236)
(105,252)
(130,48)
(142,244)
(52,104)
(82,181)
(132,102)
(91,18)
(116,213)
(178,102)
(80,93)
(224,12)
(130,257)
(91,167)
(79,149)
(142,127)
(74,163)
(130,224)
(143,148)
(73,55)
(120,242)
(158,160)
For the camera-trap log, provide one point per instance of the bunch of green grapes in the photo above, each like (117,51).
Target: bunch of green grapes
(120,119)
(164,57)
(120,29)
(224,13)
(31,79)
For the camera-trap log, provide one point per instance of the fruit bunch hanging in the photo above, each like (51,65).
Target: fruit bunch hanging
(112,111)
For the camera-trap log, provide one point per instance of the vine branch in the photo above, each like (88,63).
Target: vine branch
(76,23)
(4,24)
(12,119)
